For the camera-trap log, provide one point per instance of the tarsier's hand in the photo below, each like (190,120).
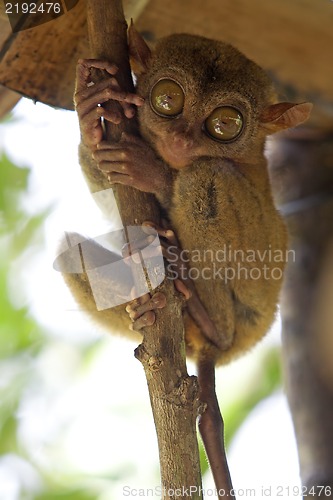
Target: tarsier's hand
(133,162)
(89,98)
(130,161)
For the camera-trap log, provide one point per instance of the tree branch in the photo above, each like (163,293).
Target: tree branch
(173,394)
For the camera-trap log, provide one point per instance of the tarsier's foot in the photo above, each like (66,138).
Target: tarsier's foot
(141,310)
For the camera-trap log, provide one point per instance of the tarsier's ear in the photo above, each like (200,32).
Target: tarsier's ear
(139,52)
(284,115)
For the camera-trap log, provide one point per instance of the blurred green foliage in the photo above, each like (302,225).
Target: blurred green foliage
(18,331)
(21,338)
(18,230)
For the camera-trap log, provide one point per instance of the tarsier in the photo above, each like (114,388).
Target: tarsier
(204,112)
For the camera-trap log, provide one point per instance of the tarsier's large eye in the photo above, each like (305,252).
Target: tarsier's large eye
(224,123)
(167,98)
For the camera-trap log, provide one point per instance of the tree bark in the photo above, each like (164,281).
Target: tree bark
(173,394)
(302,170)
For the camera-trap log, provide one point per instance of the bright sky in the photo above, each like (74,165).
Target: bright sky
(263,453)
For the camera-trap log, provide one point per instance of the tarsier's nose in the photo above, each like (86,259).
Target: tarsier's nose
(182,141)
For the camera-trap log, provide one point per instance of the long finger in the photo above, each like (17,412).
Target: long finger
(116,178)
(147,319)
(113,167)
(112,155)
(157,301)
(168,234)
(91,90)
(102,96)
(83,70)
(91,128)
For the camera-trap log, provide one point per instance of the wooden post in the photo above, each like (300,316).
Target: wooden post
(173,394)
(302,172)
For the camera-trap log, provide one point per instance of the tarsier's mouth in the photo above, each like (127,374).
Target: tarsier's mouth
(175,160)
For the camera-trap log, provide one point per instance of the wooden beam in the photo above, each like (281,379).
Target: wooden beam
(302,171)
(8,99)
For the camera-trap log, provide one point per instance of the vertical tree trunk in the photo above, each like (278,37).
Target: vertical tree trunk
(302,170)
(173,394)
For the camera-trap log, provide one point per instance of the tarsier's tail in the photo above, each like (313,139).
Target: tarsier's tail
(211,428)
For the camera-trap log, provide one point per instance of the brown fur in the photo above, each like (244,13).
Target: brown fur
(242,215)
(221,197)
